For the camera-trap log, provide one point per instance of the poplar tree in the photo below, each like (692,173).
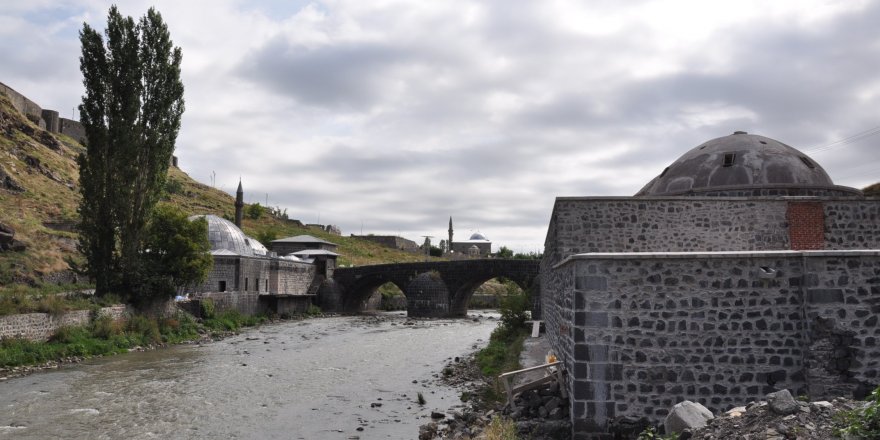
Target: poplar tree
(131,113)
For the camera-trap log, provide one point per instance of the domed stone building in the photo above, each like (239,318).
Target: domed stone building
(249,278)
(474,247)
(739,270)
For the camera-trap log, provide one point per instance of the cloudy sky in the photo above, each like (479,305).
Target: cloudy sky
(390,116)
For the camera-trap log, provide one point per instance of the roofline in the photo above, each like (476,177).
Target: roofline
(717,255)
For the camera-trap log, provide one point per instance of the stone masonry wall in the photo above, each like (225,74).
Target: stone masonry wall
(639,333)
(688,224)
(627,224)
(852,224)
(42,326)
(291,277)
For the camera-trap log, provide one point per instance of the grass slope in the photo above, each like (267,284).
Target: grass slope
(45,166)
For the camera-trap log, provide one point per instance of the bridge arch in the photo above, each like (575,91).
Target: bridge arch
(357,294)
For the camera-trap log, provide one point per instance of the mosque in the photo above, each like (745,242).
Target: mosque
(477,246)
(739,270)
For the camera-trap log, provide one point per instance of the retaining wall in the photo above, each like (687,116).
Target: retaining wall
(42,326)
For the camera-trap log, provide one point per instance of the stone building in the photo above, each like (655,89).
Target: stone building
(247,277)
(476,246)
(289,245)
(739,270)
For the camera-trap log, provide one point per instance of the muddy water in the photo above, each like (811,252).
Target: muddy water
(314,379)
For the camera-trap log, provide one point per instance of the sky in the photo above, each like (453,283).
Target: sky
(388,117)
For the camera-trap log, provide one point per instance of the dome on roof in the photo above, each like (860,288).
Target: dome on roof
(224,235)
(744,164)
(478,236)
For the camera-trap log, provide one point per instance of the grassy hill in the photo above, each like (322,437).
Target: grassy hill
(39,196)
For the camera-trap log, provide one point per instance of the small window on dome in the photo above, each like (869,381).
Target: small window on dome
(702,147)
(763,142)
(808,162)
(728,159)
(664,171)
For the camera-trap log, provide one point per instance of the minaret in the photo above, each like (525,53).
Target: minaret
(449,243)
(239,204)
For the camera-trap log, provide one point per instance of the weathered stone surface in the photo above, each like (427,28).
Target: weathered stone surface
(41,326)
(686,415)
(782,403)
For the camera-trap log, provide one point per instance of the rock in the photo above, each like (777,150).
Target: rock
(822,404)
(736,412)
(8,183)
(437,415)
(375,405)
(686,415)
(782,403)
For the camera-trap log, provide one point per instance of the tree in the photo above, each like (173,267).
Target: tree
(254,211)
(131,114)
(175,254)
(504,252)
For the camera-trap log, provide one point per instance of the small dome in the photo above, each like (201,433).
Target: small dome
(224,235)
(478,236)
(744,164)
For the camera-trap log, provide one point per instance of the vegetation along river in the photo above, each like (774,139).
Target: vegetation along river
(313,379)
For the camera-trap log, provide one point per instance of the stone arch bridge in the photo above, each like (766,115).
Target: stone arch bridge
(432,289)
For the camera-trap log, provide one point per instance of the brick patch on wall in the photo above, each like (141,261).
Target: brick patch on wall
(806,225)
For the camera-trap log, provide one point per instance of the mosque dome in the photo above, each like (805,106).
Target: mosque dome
(225,237)
(744,164)
(476,236)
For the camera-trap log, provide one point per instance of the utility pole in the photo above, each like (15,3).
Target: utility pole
(428,247)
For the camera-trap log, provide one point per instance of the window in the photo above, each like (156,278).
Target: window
(245,284)
(808,162)
(664,171)
(728,159)
(222,286)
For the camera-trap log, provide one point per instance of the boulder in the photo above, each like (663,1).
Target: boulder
(686,415)
(782,403)
(7,237)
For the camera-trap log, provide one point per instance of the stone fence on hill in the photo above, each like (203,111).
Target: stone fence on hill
(42,326)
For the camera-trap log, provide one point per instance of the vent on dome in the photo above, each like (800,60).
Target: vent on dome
(728,159)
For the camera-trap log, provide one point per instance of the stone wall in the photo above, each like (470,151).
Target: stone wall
(73,129)
(291,277)
(22,103)
(852,224)
(42,326)
(246,303)
(391,241)
(688,224)
(641,332)
(259,275)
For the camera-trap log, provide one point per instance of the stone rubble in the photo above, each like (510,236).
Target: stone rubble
(778,417)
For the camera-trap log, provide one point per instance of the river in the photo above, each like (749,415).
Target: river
(326,378)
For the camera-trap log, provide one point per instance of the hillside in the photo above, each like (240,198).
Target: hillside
(872,190)
(39,196)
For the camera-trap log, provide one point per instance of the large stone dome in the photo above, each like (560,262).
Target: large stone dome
(744,164)
(226,238)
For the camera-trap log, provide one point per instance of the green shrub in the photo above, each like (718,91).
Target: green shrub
(863,422)
(313,310)
(144,329)
(206,306)
(501,428)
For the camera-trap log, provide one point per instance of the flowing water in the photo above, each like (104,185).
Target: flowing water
(314,379)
